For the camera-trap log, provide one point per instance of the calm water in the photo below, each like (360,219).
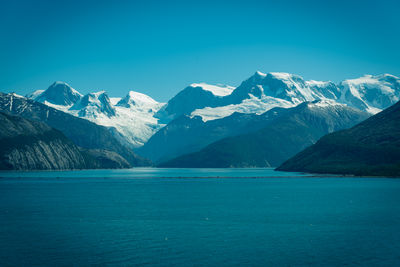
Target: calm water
(150,217)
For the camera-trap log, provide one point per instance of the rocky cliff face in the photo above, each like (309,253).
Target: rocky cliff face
(30,145)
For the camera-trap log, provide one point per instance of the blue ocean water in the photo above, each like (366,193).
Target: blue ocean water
(152,217)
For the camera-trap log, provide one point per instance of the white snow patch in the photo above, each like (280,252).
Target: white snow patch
(281,75)
(362,80)
(17,95)
(141,98)
(288,79)
(259,73)
(325,103)
(313,83)
(35,94)
(221,90)
(251,105)
(115,100)
(59,107)
(373,110)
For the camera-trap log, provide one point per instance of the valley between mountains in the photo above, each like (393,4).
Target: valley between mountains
(265,121)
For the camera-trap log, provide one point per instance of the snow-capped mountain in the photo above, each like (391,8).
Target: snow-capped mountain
(257,94)
(195,96)
(94,105)
(371,93)
(322,89)
(137,116)
(289,87)
(138,100)
(262,92)
(59,93)
(131,117)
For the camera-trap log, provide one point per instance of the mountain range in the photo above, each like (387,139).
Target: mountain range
(137,117)
(132,116)
(270,116)
(81,132)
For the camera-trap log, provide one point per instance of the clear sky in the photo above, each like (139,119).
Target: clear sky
(159,47)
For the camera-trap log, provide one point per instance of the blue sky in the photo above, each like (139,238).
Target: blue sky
(159,47)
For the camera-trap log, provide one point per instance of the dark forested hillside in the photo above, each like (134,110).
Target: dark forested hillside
(369,148)
(287,132)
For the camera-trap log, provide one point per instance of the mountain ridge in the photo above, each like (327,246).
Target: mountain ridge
(82,132)
(286,132)
(134,119)
(31,145)
(371,147)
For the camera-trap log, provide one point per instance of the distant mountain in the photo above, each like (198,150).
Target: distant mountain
(94,104)
(257,94)
(262,92)
(207,120)
(285,132)
(135,118)
(185,134)
(195,96)
(130,119)
(289,87)
(135,99)
(369,148)
(59,93)
(82,132)
(371,93)
(31,145)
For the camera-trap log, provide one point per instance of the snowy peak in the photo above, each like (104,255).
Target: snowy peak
(371,93)
(130,119)
(287,86)
(324,89)
(136,99)
(94,105)
(374,79)
(280,85)
(217,90)
(251,86)
(259,73)
(194,96)
(34,94)
(257,77)
(59,93)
